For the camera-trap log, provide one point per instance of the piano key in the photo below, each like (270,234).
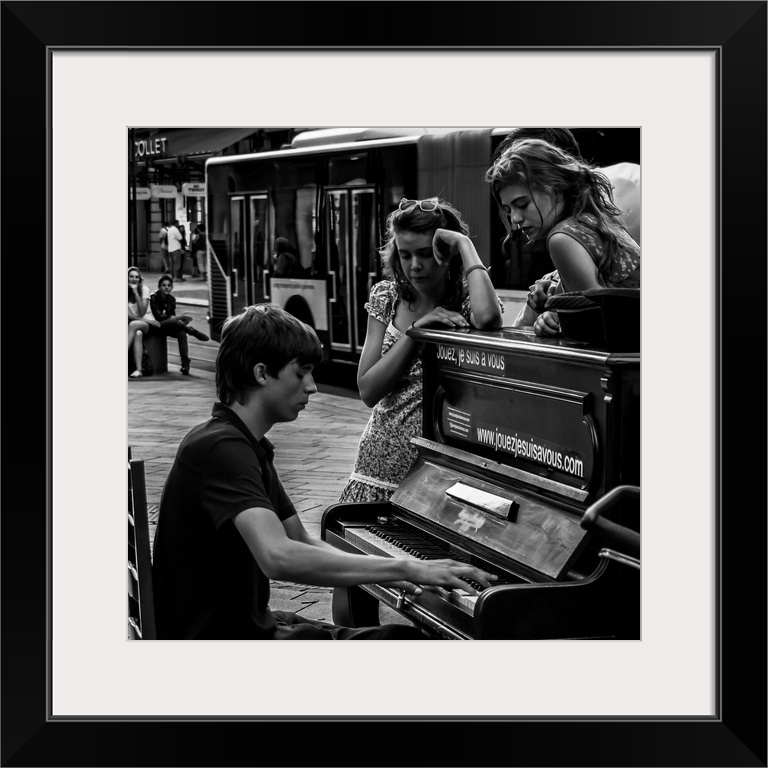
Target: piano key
(374,544)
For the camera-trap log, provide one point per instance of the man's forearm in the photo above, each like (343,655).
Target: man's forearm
(327,566)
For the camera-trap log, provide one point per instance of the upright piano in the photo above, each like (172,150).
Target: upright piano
(529,467)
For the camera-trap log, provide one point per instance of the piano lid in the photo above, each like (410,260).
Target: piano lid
(507,339)
(538,535)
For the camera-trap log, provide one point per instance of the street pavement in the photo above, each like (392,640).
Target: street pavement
(314,455)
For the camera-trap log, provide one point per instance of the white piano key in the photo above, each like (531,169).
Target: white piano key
(372,544)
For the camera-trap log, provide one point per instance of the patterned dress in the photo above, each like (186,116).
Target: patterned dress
(384,454)
(625,270)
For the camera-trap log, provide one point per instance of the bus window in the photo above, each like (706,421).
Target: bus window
(351,234)
(348,169)
(397,166)
(259,222)
(235,253)
(364,256)
(306,226)
(337,258)
(293,197)
(513,266)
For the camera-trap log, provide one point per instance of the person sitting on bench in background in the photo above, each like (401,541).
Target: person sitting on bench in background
(163,306)
(141,321)
(226,525)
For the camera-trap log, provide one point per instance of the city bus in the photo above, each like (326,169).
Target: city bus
(325,199)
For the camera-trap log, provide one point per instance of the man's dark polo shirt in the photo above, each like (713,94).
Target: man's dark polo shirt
(207,583)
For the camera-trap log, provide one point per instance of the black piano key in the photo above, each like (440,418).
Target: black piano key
(425,547)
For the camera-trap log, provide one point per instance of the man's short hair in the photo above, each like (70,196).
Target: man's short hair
(262,333)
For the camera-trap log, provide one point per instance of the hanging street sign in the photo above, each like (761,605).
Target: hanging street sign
(168,191)
(193,189)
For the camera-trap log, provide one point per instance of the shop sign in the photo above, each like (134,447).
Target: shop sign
(150,147)
(193,189)
(142,193)
(164,191)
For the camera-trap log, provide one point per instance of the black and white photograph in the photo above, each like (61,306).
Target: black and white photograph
(471,302)
(384,382)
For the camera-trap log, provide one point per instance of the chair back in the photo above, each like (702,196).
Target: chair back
(141,604)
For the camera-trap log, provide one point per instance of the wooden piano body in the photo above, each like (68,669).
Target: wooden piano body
(528,468)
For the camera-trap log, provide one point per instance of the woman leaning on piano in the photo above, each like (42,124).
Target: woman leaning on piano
(435,278)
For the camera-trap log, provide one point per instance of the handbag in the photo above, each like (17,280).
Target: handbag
(147,369)
(603,317)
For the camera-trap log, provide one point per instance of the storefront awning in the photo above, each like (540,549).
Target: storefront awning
(205,141)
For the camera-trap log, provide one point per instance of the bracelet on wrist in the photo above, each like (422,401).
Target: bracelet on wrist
(475,266)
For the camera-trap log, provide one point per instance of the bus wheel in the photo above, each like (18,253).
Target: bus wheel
(299,308)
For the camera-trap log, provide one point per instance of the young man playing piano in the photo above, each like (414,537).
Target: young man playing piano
(226,525)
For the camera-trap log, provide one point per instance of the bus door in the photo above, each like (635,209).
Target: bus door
(258,246)
(236,242)
(351,261)
(248,246)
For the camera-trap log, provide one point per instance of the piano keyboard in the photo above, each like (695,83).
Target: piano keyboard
(392,540)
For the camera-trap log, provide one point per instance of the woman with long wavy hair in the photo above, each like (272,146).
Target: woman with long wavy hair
(140,317)
(434,277)
(548,194)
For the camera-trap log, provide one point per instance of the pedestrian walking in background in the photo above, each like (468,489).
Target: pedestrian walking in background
(182,253)
(199,252)
(435,278)
(163,236)
(175,239)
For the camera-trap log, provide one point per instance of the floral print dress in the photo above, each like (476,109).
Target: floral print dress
(625,270)
(385,454)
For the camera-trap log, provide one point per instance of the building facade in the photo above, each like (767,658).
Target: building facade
(166,178)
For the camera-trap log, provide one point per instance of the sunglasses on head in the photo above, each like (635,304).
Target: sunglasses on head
(424,205)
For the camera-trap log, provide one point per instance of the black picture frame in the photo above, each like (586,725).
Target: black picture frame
(736,736)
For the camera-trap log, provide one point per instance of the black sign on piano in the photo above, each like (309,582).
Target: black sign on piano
(528,468)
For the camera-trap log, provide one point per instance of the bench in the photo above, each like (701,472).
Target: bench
(157,348)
